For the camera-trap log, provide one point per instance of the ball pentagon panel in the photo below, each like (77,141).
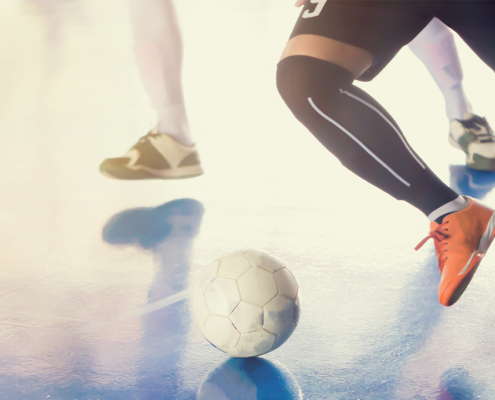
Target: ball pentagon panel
(233,265)
(257,286)
(222,296)
(247,317)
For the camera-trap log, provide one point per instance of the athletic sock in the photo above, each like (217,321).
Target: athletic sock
(435,47)
(456,102)
(452,206)
(158,49)
(358,131)
(172,120)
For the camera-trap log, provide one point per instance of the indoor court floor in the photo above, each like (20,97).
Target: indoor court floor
(97,274)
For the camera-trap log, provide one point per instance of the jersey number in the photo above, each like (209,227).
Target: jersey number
(317,10)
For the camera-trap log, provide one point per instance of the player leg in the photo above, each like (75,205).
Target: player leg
(168,151)
(435,47)
(315,78)
(158,49)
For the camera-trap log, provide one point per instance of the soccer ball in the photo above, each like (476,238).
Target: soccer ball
(246,303)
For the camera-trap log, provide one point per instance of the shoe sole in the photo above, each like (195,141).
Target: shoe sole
(479,163)
(472,265)
(148,173)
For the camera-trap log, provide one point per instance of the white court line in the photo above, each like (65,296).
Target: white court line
(157,305)
(149,308)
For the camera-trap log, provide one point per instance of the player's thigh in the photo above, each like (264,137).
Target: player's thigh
(349,57)
(373,30)
(474,21)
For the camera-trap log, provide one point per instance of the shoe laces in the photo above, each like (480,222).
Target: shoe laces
(438,235)
(482,135)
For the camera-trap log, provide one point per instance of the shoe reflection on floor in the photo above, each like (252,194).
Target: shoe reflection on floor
(167,231)
(458,384)
(470,182)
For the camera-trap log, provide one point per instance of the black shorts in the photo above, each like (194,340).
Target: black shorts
(384,27)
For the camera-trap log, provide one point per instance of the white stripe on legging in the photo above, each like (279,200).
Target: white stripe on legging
(388,121)
(357,141)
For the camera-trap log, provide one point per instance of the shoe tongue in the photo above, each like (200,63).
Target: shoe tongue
(433,225)
(467,116)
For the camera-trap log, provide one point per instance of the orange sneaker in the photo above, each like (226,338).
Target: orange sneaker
(461,242)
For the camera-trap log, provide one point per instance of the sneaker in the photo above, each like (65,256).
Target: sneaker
(474,136)
(155,156)
(461,242)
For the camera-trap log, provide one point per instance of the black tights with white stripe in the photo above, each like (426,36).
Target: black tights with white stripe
(358,131)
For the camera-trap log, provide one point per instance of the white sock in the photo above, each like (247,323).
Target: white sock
(435,47)
(172,120)
(452,206)
(158,49)
(456,103)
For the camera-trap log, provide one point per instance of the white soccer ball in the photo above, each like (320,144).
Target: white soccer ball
(246,303)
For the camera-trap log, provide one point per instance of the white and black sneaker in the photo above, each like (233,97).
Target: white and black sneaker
(474,136)
(155,156)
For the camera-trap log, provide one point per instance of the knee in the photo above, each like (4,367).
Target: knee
(301,78)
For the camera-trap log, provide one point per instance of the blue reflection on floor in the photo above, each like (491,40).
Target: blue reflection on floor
(418,315)
(252,378)
(470,182)
(96,273)
(458,384)
(167,231)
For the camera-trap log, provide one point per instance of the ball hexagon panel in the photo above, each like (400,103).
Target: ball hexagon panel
(222,296)
(286,283)
(254,343)
(297,311)
(220,332)
(208,275)
(282,338)
(199,308)
(257,286)
(247,317)
(264,260)
(233,265)
(279,314)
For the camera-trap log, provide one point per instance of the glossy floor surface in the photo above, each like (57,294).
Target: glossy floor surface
(96,273)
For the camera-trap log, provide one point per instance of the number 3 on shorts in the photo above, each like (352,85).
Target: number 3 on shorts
(317,10)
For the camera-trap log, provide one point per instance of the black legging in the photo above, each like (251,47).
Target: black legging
(358,131)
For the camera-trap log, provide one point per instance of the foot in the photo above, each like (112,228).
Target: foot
(474,136)
(155,156)
(461,242)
